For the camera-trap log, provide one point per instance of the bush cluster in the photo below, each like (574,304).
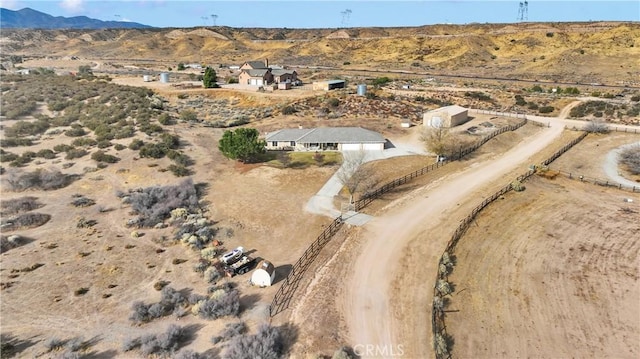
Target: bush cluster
(171,301)
(18,205)
(630,157)
(154,204)
(25,220)
(222,302)
(100,156)
(18,180)
(10,242)
(480,96)
(267,343)
(162,344)
(230,330)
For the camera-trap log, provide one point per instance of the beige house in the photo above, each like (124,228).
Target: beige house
(258,73)
(449,116)
(325,139)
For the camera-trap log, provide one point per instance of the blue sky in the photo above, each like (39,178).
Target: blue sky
(323,14)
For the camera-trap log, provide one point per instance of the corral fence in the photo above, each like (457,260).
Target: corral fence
(367,198)
(609,128)
(596,181)
(537,120)
(441,339)
(284,295)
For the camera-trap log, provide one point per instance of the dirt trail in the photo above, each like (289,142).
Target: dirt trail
(368,309)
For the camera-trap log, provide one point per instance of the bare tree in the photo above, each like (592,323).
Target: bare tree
(437,140)
(596,126)
(353,175)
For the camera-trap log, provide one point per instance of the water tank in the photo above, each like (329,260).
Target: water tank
(146,78)
(164,77)
(362,90)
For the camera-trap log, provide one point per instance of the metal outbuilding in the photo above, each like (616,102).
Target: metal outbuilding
(329,85)
(264,274)
(448,116)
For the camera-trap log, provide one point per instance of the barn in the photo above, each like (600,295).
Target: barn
(329,85)
(449,116)
(264,274)
(325,139)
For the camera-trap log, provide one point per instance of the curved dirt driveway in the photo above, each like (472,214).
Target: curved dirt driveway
(368,311)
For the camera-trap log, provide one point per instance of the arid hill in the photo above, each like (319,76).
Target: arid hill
(604,52)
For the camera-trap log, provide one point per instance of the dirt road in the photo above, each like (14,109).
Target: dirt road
(369,312)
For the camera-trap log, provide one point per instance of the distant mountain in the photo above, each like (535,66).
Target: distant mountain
(31,19)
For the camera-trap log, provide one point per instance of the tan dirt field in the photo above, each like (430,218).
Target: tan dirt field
(557,279)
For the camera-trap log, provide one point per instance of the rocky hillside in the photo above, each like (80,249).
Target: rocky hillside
(584,52)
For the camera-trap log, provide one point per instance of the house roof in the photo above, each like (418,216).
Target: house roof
(278,72)
(266,266)
(450,110)
(256,73)
(327,135)
(256,64)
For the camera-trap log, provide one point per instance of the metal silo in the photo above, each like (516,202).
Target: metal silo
(164,77)
(362,90)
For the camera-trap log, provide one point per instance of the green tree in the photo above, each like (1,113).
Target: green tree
(209,79)
(181,67)
(242,144)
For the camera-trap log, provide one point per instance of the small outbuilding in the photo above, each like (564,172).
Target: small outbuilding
(264,274)
(449,116)
(329,85)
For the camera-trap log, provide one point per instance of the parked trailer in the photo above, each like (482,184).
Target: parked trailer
(242,266)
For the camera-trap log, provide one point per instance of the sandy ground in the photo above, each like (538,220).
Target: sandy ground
(567,284)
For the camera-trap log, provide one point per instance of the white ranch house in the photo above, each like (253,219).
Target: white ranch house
(325,139)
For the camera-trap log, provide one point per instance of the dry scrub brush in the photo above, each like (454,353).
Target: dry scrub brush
(18,180)
(630,157)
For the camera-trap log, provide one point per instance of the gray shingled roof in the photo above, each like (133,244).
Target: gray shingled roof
(281,72)
(257,73)
(327,135)
(256,64)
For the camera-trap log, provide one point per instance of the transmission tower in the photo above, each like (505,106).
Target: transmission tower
(214,17)
(204,20)
(523,11)
(345,17)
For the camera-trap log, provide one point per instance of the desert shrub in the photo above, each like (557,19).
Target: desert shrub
(635,98)
(10,242)
(546,109)
(480,96)
(179,158)
(532,106)
(154,204)
(520,100)
(26,220)
(18,180)
(227,303)
(212,275)
(188,116)
(267,343)
(230,330)
(46,154)
(27,128)
(333,102)
(62,148)
(15,142)
(75,153)
(119,147)
(289,110)
(630,157)
(179,171)
(188,354)
(17,205)
(140,313)
(75,131)
(6,156)
(596,127)
(166,119)
(83,202)
(341,353)
(379,81)
(136,144)
(104,144)
(164,344)
(54,344)
(100,156)
(153,150)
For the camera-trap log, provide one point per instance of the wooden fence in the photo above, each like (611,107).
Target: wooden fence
(596,181)
(445,266)
(377,193)
(284,295)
